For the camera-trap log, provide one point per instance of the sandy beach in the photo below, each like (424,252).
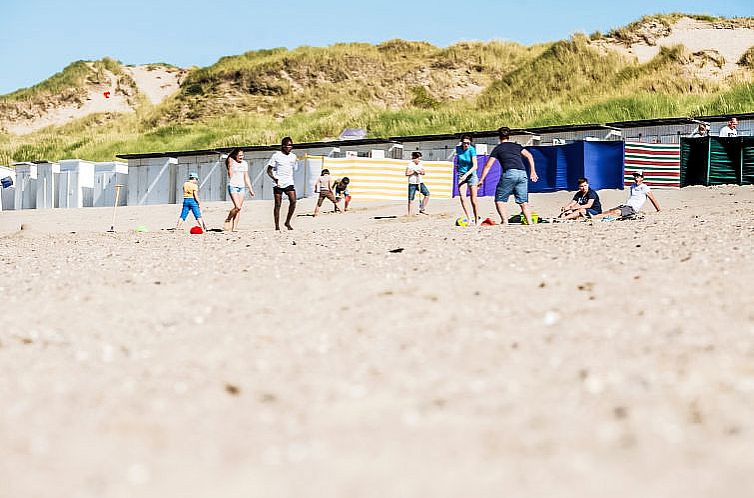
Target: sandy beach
(559,360)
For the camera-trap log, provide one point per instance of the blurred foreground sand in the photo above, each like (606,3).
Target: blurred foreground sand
(574,360)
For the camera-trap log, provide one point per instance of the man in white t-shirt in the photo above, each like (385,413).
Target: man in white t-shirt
(731,129)
(280,168)
(638,194)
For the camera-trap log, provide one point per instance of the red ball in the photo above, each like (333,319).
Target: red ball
(196,230)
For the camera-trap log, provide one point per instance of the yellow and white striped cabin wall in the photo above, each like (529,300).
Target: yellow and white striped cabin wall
(385,179)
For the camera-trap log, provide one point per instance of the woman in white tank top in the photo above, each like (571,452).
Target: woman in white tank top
(238,182)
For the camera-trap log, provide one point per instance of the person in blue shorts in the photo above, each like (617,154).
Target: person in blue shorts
(585,203)
(467,176)
(191,202)
(513,179)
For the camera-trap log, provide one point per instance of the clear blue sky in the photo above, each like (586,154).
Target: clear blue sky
(40,37)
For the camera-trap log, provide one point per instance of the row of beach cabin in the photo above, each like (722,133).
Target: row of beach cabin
(607,154)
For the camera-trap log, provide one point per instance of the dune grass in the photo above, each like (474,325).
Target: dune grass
(396,88)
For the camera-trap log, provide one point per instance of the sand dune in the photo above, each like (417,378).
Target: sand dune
(612,359)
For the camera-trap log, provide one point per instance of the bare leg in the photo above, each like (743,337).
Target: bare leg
(575,214)
(424,204)
(474,203)
(500,206)
(346,202)
(611,212)
(238,202)
(291,208)
(230,223)
(276,209)
(462,197)
(526,212)
(178,225)
(409,207)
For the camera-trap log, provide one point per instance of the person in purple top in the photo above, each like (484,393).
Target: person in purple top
(513,179)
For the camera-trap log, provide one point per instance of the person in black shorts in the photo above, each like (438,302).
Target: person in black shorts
(280,168)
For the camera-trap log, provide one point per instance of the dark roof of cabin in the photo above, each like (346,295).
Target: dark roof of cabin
(669,121)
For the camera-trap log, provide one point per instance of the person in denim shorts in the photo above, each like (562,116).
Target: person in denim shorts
(414,172)
(238,183)
(467,177)
(513,179)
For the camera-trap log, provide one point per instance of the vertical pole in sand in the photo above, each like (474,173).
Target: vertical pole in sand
(115,206)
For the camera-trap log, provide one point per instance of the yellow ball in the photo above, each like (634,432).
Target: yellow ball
(462,222)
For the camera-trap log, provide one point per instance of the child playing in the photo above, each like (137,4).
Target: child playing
(414,172)
(324,186)
(191,201)
(341,192)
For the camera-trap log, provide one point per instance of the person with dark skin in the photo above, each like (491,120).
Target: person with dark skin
(280,168)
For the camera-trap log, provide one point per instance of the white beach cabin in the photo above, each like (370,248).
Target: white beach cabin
(152,181)
(106,176)
(47,185)
(76,183)
(26,186)
(7,192)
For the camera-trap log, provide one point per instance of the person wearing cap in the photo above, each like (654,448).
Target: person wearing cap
(638,194)
(191,201)
(731,129)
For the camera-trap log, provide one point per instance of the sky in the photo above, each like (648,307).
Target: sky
(40,37)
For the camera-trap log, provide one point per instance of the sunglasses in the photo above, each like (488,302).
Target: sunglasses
(465,143)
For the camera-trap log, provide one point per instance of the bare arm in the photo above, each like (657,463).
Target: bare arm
(487,166)
(247,181)
(409,171)
(570,205)
(474,167)
(269,173)
(654,201)
(530,158)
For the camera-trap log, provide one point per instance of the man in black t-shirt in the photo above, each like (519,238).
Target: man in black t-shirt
(513,178)
(585,203)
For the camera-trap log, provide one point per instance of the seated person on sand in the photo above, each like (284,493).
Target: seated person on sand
(585,203)
(638,194)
